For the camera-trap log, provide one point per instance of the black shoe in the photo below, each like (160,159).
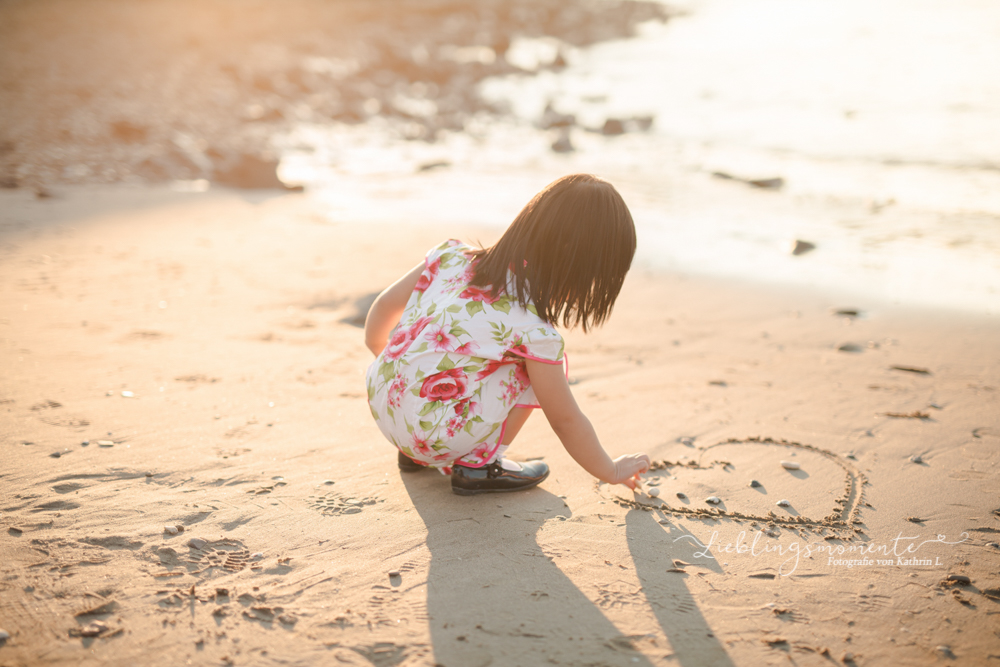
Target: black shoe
(406,464)
(494,478)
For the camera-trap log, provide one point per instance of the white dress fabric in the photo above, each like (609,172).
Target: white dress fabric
(453,368)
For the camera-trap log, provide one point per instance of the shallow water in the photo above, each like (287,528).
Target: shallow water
(883,121)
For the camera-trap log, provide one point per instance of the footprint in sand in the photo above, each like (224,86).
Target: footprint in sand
(333,504)
(825,492)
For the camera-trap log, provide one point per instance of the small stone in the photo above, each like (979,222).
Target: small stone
(257,556)
(149,474)
(754,484)
(85,443)
(170,530)
(959,579)
(784,503)
(714,500)
(180,528)
(328,481)
(127,394)
(847,657)
(995,545)
(916,459)
(93,629)
(287,619)
(791,465)
(613,127)
(197,543)
(105,443)
(394,573)
(4,635)
(681,495)
(686,441)
(850,347)
(654,492)
(800,247)
(945,651)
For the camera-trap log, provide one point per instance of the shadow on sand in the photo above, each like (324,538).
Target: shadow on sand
(494,597)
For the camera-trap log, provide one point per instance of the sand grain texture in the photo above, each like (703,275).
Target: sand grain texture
(228,318)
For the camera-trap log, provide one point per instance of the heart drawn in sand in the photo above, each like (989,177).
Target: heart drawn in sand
(825,492)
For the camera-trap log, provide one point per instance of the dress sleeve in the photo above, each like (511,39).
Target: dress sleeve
(435,253)
(541,343)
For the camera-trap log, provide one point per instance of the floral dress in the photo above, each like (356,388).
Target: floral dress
(453,368)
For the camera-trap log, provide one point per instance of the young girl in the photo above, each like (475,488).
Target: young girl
(466,346)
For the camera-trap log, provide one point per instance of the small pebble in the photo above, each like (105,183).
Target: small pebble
(172,530)
(196,543)
(687,441)
(4,635)
(106,443)
(85,443)
(791,465)
(916,459)
(714,500)
(784,503)
(654,492)
(149,474)
(328,481)
(945,651)
(960,579)
(681,495)
(754,484)
(127,394)
(847,657)
(257,556)
(394,573)
(993,544)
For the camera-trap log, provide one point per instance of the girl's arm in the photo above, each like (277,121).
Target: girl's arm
(575,431)
(388,307)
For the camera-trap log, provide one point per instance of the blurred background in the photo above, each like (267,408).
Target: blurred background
(841,145)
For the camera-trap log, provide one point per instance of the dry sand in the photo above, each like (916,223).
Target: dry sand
(229,319)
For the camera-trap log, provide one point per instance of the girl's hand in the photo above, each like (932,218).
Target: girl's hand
(628,468)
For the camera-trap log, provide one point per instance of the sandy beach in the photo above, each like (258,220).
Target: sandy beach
(190,473)
(194,361)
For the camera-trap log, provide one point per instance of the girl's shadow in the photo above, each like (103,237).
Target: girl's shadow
(653,547)
(493,596)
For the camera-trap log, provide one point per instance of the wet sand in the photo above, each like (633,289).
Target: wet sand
(193,360)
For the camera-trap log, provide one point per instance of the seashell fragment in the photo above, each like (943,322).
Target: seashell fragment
(784,503)
(791,465)
(714,500)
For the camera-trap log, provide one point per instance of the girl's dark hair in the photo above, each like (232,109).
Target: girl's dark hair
(568,250)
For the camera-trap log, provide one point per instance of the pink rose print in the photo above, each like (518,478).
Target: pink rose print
(473,407)
(468,348)
(398,344)
(420,444)
(445,386)
(396,391)
(427,275)
(517,351)
(477,294)
(482,452)
(521,375)
(490,368)
(419,326)
(441,339)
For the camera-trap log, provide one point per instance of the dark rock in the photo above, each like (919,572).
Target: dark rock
(800,247)
(552,118)
(850,347)
(768,183)
(563,144)
(613,127)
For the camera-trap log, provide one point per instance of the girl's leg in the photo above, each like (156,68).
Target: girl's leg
(515,420)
